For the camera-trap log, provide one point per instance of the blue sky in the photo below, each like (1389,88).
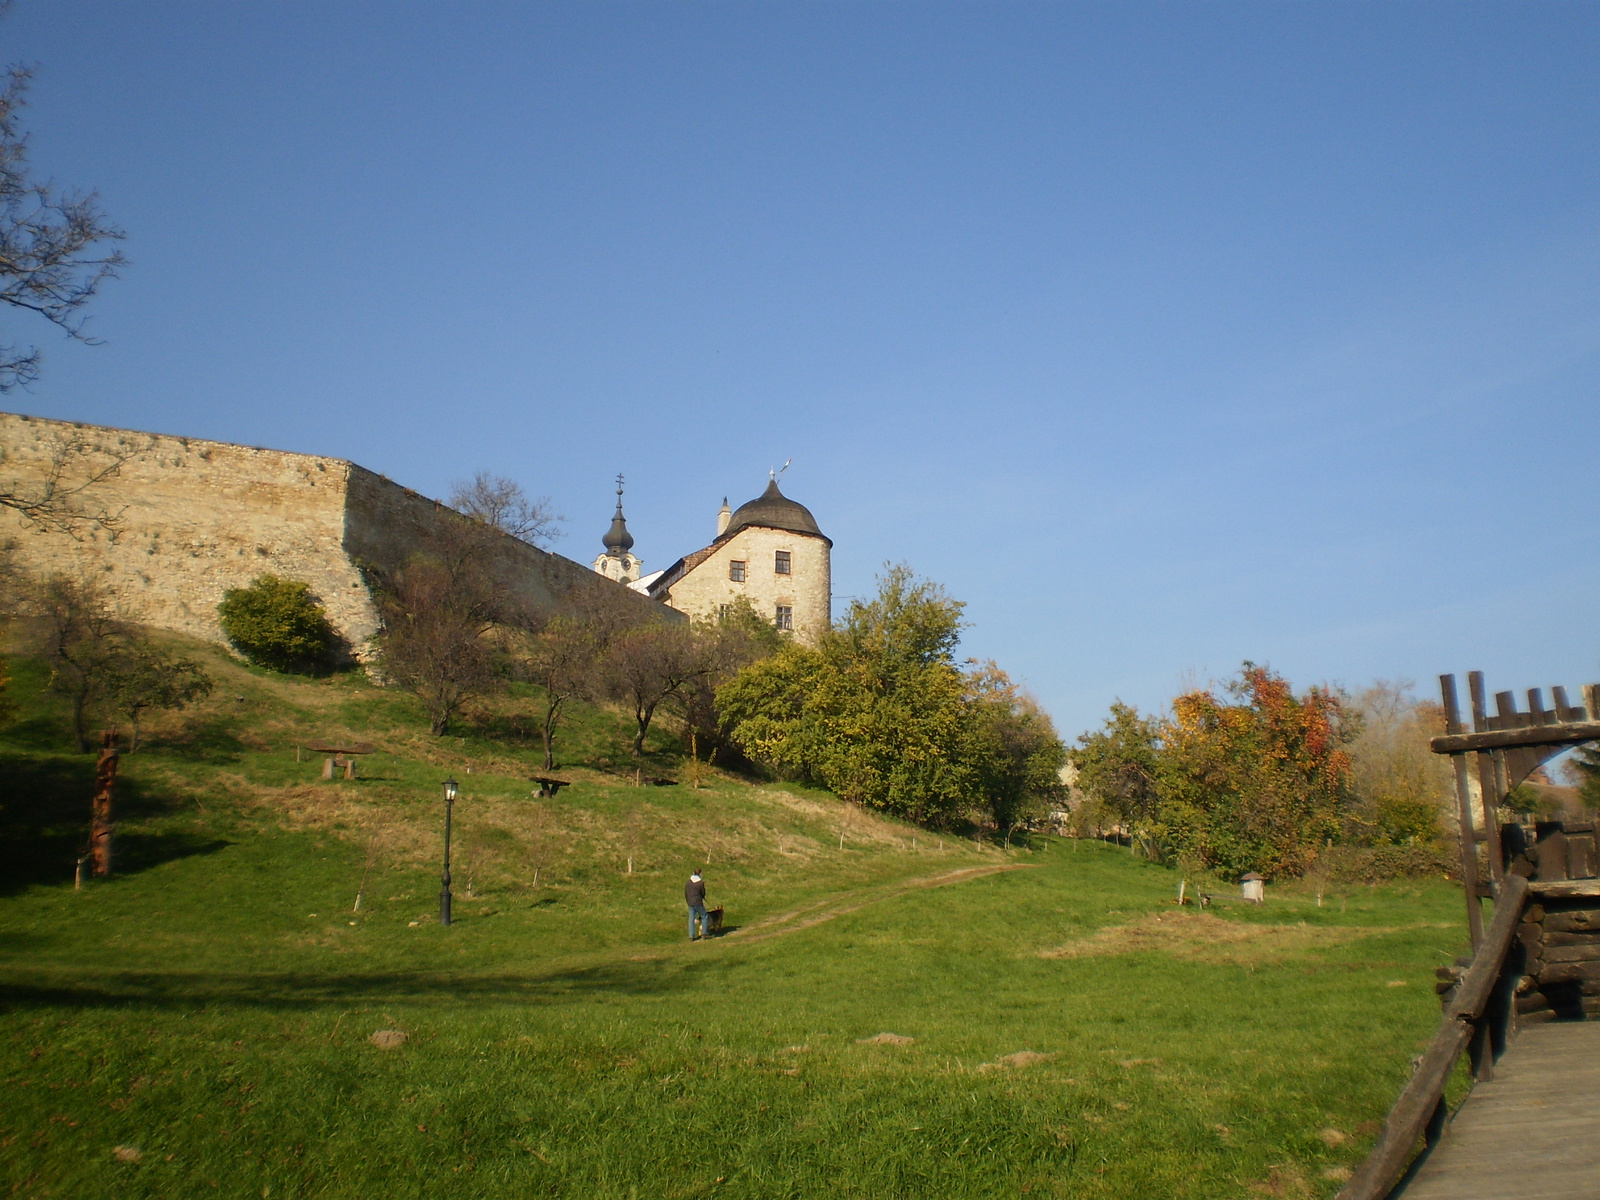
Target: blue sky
(1165,336)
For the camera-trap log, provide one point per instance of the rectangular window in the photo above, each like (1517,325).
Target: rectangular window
(736,571)
(785,619)
(783,562)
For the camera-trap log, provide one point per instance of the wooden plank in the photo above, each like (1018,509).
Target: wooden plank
(1420,1098)
(1479,980)
(1531,1134)
(1567,734)
(1571,888)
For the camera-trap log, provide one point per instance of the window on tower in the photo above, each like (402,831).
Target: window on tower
(785,617)
(782,565)
(736,571)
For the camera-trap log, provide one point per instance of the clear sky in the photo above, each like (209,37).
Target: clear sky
(1166,336)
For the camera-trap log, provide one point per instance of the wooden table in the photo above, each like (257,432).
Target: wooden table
(342,756)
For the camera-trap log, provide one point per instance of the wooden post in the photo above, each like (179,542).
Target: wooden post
(1469,841)
(1489,793)
(100,825)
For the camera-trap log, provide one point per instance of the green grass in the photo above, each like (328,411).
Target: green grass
(212,1005)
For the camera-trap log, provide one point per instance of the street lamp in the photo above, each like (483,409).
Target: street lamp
(444,892)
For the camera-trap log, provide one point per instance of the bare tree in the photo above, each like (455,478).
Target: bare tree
(501,502)
(65,496)
(53,256)
(562,658)
(655,662)
(81,636)
(437,618)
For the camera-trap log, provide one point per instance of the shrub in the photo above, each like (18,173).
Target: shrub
(278,623)
(1379,864)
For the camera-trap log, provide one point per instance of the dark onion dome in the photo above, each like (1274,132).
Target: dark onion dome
(773,510)
(618,541)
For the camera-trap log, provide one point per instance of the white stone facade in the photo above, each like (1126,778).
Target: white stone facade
(799,599)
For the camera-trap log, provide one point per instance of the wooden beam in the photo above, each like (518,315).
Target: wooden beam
(1569,733)
(1566,888)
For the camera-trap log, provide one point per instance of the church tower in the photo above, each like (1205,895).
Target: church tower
(618,561)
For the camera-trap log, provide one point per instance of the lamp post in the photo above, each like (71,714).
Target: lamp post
(444,892)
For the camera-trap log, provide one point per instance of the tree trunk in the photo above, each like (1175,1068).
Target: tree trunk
(642,717)
(100,826)
(550,714)
(80,704)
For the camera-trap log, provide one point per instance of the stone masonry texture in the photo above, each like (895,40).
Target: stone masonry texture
(196,518)
(704,589)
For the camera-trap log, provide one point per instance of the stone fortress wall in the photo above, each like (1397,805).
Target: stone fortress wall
(199,517)
(807,589)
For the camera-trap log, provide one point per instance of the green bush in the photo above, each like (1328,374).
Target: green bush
(278,623)
(1380,864)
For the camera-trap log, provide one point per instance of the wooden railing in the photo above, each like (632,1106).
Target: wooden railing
(1475,1019)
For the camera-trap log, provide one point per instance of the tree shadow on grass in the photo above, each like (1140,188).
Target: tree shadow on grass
(294,991)
(44,822)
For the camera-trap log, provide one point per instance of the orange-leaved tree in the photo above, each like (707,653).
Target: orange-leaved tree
(1257,780)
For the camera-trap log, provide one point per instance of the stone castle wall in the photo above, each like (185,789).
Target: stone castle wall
(199,517)
(807,589)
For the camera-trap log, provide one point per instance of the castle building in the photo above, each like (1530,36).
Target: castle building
(769,551)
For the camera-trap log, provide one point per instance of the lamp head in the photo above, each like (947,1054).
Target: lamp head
(449,790)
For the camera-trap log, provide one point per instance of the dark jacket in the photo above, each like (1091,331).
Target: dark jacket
(695,893)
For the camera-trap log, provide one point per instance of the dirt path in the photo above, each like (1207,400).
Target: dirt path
(830,907)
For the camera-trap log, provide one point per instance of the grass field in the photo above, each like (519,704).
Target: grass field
(201,1024)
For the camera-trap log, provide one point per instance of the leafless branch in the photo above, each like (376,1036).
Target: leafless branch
(501,503)
(52,260)
(60,501)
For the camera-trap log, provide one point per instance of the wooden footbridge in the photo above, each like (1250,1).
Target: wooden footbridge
(1525,1008)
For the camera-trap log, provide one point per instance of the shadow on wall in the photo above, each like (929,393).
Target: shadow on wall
(44,822)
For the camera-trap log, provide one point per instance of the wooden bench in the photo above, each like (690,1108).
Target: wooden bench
(549,787)
(341,757)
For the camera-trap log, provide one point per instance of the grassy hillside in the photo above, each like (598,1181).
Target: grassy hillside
(210,1010)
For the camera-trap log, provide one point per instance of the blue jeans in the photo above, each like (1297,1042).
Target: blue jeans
(699,910)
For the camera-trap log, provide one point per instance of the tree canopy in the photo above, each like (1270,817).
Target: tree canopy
(880,713)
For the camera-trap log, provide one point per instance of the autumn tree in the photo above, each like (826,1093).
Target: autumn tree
(1401,789)
(1257,779)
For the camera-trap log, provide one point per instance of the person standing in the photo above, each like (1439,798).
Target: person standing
(695,893)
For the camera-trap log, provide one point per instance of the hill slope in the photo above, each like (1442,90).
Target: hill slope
(1058,1028)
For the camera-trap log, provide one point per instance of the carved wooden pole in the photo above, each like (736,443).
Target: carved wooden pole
(100,825)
